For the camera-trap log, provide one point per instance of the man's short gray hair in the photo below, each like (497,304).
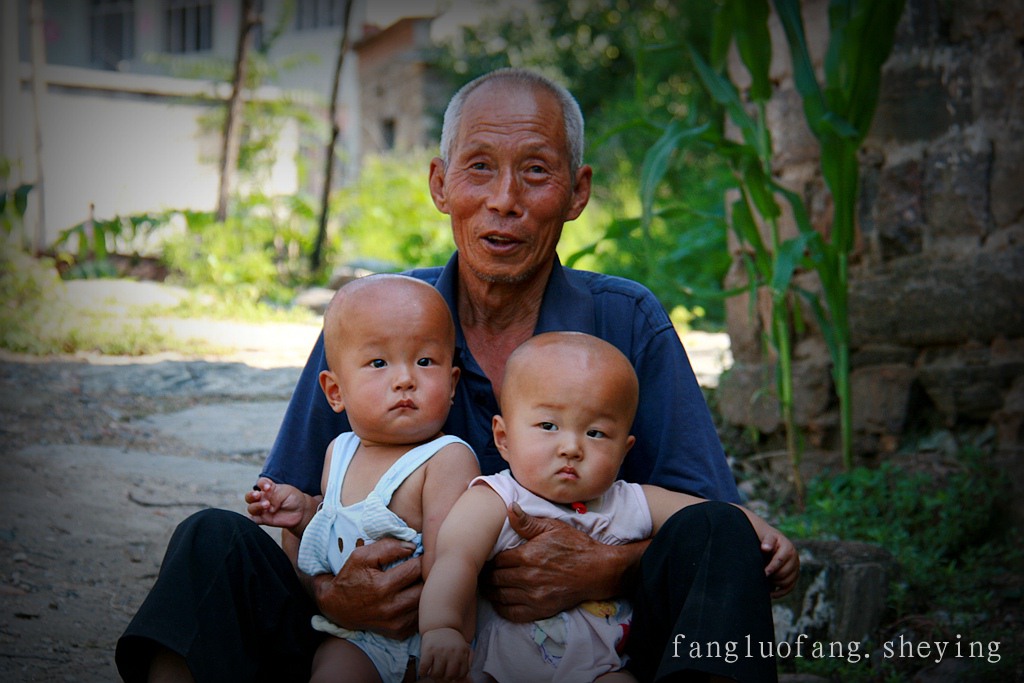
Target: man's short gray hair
(572,117)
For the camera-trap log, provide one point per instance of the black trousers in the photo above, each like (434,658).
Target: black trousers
(702,603)
(228,601)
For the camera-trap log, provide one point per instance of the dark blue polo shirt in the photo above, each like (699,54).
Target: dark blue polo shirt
(676,447)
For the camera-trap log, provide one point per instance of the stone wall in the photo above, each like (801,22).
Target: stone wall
(937,277)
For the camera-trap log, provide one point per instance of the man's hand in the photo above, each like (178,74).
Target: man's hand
(365,597)
(556,569)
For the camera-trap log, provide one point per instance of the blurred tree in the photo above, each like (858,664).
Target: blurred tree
(232,138)
(332,117)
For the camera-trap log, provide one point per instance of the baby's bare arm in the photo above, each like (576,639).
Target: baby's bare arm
(447,476)
(448,603)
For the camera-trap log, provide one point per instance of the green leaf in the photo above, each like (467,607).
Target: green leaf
(724,93)
(21,198)
(656,163)
(835,123)
(789,254)
(760,187)
(754,43)
(803,69)
(721,35)
(861,39)
(746,229)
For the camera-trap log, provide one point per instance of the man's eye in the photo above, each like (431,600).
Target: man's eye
(596,434)
(378,363)
(538,169)
(424,362)
(548,426)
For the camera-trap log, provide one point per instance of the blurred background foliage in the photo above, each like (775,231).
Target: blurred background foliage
(622,60)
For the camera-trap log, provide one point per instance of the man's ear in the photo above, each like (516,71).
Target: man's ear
(500,436)
(436,183)
(580,192)
(629,442)
(332,390)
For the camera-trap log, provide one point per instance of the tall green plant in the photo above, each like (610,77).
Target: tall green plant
(861,34)
(770,264)
(860,39)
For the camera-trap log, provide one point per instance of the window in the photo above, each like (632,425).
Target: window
(387,134)
(112,32)
(189,25)
(319,13)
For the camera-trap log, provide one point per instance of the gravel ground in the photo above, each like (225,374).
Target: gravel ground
(95,482)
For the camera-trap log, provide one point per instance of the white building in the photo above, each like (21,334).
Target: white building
(120,130)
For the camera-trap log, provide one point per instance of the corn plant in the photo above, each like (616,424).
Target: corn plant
(770,264)
(839,114)
(861,34)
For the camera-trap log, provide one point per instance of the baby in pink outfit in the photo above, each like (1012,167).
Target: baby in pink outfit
(568,401)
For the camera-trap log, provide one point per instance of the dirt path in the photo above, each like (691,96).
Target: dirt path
(99,463)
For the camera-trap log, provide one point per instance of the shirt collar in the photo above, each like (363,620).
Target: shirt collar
(566,305)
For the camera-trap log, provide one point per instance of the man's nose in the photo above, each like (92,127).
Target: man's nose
(505,194)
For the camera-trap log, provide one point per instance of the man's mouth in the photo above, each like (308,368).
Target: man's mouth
(404,403)
(500,240)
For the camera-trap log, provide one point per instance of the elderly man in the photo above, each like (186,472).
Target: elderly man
(228,603)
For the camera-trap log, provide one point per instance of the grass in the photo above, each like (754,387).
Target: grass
(232,306)
(38,317)
(959,563)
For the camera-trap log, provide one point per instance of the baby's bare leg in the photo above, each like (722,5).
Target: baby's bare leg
(620,676)
(339,661)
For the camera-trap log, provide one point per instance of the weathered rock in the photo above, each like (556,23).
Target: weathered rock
(746,396)
(242,428)
(881,396)
(970,380)
(918,100)
(956,190)
(923,301)
(937,267)
(899,210)
(1007,200)
(882,354)
(840,595)
(1009,457)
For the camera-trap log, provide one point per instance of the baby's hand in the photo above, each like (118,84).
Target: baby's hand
(444,655)
(783,569)
(274,504)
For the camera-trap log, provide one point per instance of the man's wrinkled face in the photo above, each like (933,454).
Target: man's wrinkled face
(508,187)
